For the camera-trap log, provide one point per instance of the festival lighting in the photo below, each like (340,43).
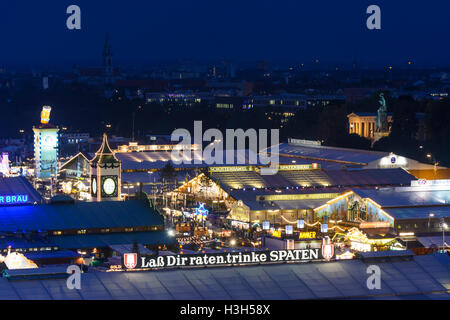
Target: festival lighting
(333,201)
(15,260)
(201,211)
(45,114)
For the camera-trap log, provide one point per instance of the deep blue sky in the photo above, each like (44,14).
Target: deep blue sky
(145,31)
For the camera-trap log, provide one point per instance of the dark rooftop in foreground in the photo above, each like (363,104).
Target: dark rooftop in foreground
(80,215)
(424,277)
(19,186)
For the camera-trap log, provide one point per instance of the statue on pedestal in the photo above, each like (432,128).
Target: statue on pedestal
(381,118)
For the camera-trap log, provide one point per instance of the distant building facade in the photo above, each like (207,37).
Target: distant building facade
(364,124)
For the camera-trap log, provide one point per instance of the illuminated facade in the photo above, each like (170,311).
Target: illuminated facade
(105,173)
(4,164)
(351,207)
(134,147)
(364,124)
(288,196)
(46,147)
(414,209)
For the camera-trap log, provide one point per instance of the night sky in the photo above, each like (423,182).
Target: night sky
(34,32)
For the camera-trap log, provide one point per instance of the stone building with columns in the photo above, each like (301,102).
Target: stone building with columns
(364,123)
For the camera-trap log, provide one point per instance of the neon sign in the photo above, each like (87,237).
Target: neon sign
(14,199)
(231,258)
(201,211)
(276,233)
(307,235)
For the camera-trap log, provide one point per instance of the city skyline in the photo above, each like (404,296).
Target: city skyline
(147,33)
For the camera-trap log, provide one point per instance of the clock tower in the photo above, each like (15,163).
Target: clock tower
(105,173)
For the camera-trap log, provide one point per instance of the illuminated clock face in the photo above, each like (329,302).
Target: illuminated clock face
(109,186)
(49,141)
(94,186)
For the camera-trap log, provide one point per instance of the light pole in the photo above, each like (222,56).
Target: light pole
(134,116)
(444,226)
(429,218)
(132,134)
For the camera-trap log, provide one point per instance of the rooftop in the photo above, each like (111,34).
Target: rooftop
(406,203)
(427,277)
(111,239)
(80,215)
(313,178)
(405,197)
(18,186)
(326,153)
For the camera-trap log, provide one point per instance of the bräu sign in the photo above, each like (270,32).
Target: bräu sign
(132,260)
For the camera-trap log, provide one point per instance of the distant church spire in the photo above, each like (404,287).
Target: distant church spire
(107,57)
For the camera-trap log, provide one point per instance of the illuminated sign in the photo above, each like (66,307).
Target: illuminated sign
(201,211)
(223,258)
(130,260)
(45,114)
(276,234)
(293,167)
(304,142)
(289,197)
(230,169)
(13,199)
(133,146)
(376,224)
(266,225)
(324,228)
(300,224)
(307,235)
(327,248)
(345,256)
(392,161)
(46,151)
(425,182)
(289,229)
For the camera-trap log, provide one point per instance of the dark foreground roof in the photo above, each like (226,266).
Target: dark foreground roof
(19,186)
(330,153)
(313,178)
(111,239)
(80,215)
(424,277)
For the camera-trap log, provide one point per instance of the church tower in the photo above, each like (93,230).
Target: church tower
(107,60)
(105,173)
